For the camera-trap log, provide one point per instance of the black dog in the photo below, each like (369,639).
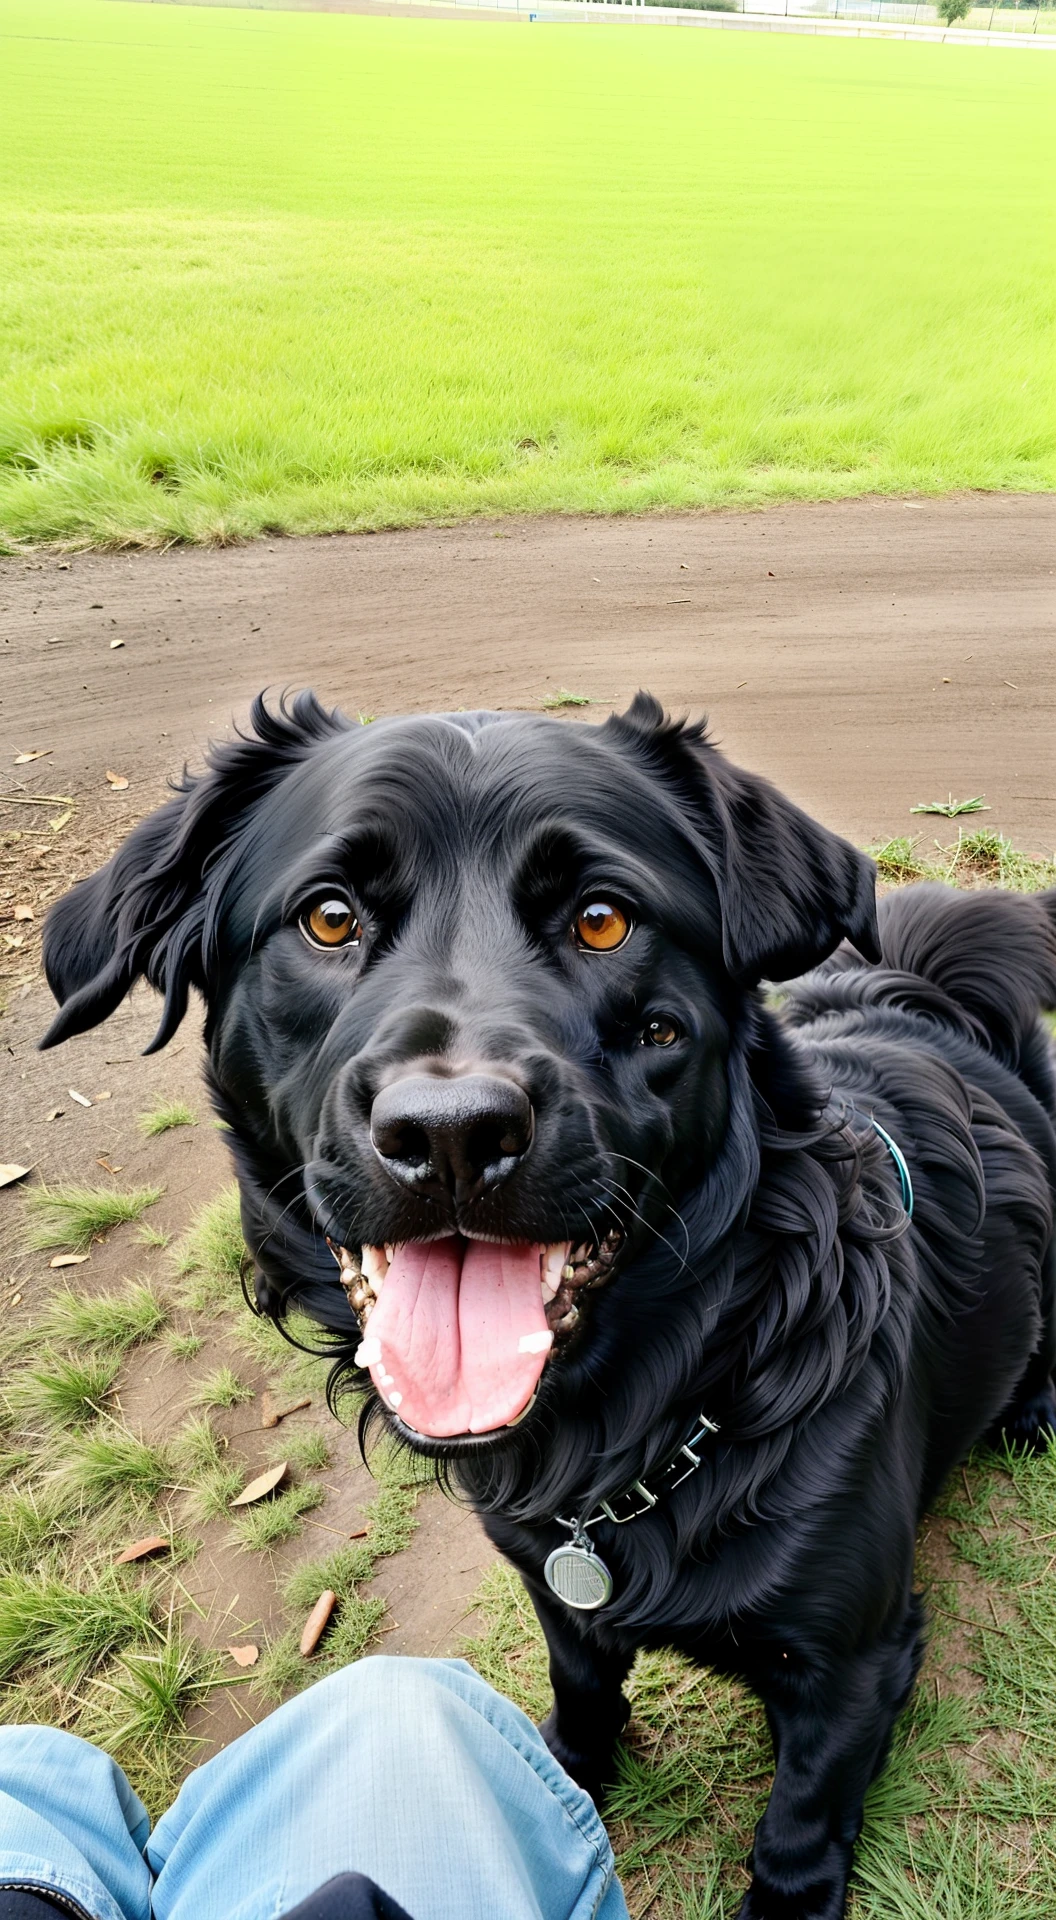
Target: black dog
(484,1015)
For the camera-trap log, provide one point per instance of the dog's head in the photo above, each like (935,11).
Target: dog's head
(470,984)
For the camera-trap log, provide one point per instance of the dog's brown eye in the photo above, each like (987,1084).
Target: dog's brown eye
(330,923)
(660,1033)
(601,926)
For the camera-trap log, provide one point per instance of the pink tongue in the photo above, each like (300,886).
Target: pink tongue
(450,1323)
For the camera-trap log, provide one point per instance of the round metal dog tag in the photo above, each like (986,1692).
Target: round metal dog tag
(579,1577)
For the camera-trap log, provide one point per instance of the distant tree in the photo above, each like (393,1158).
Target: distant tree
(953,10)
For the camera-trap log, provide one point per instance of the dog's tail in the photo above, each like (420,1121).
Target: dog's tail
(992,953)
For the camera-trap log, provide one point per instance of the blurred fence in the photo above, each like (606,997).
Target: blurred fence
(910,13)
(902,19)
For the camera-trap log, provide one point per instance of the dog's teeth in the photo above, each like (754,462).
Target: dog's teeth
(582,1253)
(525,1411)
(375,1266)
(395,1400)
(551,1261)
(569,1272)
(368,1353)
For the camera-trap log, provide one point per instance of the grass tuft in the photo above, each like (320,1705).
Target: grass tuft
(988,858)
(306,1451)
(982,858)
(184,1345)
(75,1216)
(222,1389)
(208,1474)
(273,1521)
(562,698)
(951,808)
(166,1115)
(34,1519)
(111,1320)
(98,1466)
(146,1694)
(43,1619)
(63,1392)
(209,1257)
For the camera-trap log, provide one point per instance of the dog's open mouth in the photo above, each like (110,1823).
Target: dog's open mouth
(460,1330)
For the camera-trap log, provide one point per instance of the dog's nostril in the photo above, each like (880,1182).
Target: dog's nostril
(461,1132)
(407,1143)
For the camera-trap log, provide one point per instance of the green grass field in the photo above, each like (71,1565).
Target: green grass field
(297,271)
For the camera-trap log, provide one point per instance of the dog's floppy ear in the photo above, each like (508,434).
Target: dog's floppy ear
(147,913)
(789,890)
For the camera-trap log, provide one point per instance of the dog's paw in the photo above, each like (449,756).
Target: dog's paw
(823,1901)
(594,1772)
(1032,1424)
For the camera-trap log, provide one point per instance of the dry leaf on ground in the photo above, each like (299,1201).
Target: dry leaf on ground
(116,780)
(22,913)
(38,753)
(143,1549)
(315,1625)
(10,1171)
(81,1098)
(69,1259)
(264,1483)
(245,1656)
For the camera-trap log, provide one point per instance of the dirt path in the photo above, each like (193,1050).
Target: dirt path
(866,655)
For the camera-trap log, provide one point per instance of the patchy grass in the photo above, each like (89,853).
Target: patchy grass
(665,308)
(307,1451)
(34,1521)
(137,1709)
(107,1651)
(63,1392)
(950,808)
(75,1216)
(47,1621)
(207,1471)
(184,1345)
(222,1389)
(561,697)
(115,1321)
(899,862)
(166,1115)
(987,858)
(959,1825)
(97,1466)
(209,1258)
(277,1519)
(983,858)
(149,1236)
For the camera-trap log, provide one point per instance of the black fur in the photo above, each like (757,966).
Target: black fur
(771,1279)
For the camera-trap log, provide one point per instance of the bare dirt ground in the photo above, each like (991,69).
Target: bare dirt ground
(864,655)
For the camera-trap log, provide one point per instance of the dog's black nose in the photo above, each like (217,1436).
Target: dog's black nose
(459,1135)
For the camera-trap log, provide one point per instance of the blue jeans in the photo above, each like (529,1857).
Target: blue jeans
(411,1771)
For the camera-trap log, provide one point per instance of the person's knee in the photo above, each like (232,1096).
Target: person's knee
(386,1687)
(49,1753)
